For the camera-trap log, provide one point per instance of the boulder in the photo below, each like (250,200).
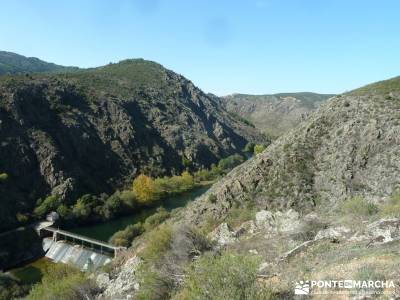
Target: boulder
(247,228)
(222,235)
(384,231)
(279,221)
(339,232)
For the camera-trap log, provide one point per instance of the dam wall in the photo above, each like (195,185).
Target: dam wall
(83,258)
(26,244)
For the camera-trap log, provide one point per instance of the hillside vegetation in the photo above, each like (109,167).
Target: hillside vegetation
(12,63)
(320,202)
(383,87)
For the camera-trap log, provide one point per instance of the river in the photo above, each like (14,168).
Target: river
(33,272)
(104,231)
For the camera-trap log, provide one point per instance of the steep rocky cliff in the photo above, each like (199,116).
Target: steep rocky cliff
(93,130)
(349,147)
(274,114)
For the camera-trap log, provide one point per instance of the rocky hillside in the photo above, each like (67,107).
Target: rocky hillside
(274,114)
(94,130)
(12,63)
(318,203)
(349,147)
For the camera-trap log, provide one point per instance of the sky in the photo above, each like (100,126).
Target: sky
(222,46)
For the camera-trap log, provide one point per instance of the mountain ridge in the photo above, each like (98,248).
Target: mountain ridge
(92,131)
(13,64)
(274,114)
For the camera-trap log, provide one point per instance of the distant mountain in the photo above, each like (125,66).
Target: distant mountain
(274,114)
(93,130)
(348,148)
(12,63)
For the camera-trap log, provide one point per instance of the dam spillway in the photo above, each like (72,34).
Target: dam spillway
(75,255)
(80,251)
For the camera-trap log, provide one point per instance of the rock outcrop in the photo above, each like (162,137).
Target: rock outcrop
(123,285)
(222,235)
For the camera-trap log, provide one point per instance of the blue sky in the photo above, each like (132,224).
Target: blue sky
(223,46)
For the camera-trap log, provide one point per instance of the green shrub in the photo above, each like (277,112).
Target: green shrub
(215,170)
(84,206)
(156,219)
(158,242)
(199,239)
(212,198)
(175,184)
(227,164)
(208,175)
(65,212)
(128,198)
(258,149)
(154,275)
(203,175)
(61,281)
(227,276)
(47,205)
(153,284)
(359,206)
(392,208)
(249,148)
(125,237)
(112,206)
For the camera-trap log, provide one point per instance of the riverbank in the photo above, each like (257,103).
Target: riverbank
(32,272)
(104,231)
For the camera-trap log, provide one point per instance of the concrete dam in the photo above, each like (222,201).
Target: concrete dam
(85,253)
(76,255)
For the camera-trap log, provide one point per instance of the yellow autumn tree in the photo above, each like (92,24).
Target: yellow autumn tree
(145,189)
